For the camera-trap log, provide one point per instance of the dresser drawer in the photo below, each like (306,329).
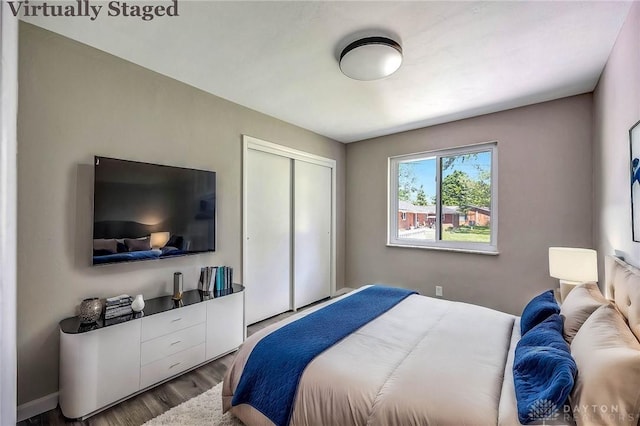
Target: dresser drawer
(173,320)
(173,364)
(169,344)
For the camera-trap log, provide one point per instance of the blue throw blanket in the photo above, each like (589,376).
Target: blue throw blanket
(537,310)
(543,371)
(129,255)
(270,378)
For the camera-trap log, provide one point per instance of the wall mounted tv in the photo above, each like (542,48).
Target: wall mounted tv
(147,211)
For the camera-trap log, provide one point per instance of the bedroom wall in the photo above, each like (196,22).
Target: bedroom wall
(616,108)
(76,102)
(544,199)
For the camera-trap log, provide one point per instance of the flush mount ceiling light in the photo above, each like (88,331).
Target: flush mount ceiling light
(371,58)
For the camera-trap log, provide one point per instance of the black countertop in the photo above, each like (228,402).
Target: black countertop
(151,307)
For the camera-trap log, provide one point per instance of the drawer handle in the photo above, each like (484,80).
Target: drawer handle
(176,342)
(176,364)
(177,319)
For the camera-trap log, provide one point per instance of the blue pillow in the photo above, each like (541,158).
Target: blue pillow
(543,371)
(547,333)
(537,310)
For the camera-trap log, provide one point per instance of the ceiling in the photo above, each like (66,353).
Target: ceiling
(461,59)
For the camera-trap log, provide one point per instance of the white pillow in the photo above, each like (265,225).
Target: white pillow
(108,244)
(578,305)
(607,387)
(138,244)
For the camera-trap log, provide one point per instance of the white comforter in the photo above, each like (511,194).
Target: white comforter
(424,362)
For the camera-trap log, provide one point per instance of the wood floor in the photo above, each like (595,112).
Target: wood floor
(145,406)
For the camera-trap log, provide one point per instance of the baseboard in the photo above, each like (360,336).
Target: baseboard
(37,406)
(343,290)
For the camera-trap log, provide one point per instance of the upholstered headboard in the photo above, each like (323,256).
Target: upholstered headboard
(623,287)
(122,229)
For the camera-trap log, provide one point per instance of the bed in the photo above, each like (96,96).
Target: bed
(123,241)
(136,255)
(429,361)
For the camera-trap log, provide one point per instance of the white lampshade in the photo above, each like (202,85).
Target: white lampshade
(573,264)
(371,58)
(159,239)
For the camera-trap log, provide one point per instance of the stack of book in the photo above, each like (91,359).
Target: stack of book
(215,279)
(118,306)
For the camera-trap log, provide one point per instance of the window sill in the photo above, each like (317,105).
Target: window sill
(453,249)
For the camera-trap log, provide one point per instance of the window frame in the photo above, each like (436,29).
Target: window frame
(393,240)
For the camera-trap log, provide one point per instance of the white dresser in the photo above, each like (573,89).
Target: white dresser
(102,365)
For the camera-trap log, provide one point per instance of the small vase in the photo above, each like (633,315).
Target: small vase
(90,310)
(138,303)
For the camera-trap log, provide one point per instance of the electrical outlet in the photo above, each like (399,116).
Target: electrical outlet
(438,291)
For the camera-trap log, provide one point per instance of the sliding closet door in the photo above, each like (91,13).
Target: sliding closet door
(267,275)
(312,233)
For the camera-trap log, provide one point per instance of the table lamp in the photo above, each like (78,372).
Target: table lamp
(572,266)
(159,239)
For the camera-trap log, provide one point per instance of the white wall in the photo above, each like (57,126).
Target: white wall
(76,102)
(544,199)
(616,108)
(8,115)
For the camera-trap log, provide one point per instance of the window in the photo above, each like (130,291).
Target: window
(453,190)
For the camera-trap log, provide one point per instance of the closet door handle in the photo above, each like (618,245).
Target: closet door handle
(174,365)
(175,343)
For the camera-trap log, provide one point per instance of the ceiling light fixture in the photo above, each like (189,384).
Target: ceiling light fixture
(371,58)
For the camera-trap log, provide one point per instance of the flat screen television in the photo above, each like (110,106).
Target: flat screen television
(145,211)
